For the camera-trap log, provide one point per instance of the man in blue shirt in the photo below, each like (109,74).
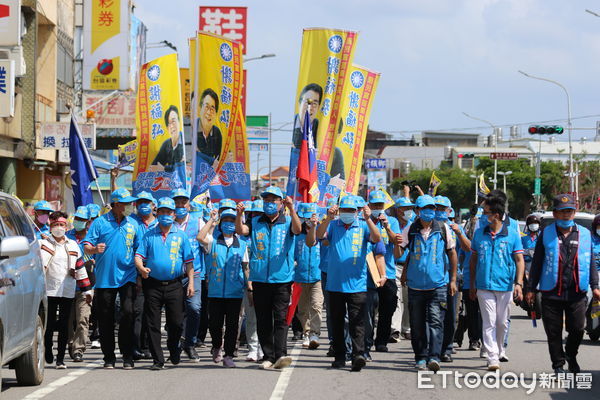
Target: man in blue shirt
(112,237)
(349,237)
(42,212)
(496,267)
(167,254)
(191,226)
(271,271)
(428,276)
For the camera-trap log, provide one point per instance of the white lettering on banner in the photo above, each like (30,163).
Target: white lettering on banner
(229,22)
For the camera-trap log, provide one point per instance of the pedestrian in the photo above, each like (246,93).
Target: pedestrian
(496,269)
(271,271)
(349,238)
(113,237)
(168,256)
(308,277)
(64,270)
(41,215)
(94,210)
(227,272)
(79,320)
(564,267)
(429,278)
(191,226)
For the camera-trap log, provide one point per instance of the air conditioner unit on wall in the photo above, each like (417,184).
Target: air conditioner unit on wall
(16,54)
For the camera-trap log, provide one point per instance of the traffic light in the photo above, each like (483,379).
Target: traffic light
(546,130)
(466,155)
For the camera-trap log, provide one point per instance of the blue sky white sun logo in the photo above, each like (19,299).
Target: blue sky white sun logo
(357,79)
(226,52)
(335,43)
(154,73)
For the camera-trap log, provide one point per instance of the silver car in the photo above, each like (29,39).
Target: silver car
(23,303)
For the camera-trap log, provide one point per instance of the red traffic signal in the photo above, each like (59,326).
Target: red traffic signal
(545,129)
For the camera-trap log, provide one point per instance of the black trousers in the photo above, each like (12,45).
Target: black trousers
(388,299)
(473,316)
(203,328)
(228,311)
(355,304)
(63,306)
(553,313)
(156,295)
(140,327)
(271,302)
(105,312)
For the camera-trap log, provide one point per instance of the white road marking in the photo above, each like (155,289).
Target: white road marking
(286,373)
(71,376)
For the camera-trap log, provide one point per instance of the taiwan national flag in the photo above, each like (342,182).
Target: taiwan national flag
(83,172)
(306,174)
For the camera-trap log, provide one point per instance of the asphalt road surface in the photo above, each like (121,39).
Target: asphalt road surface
(389,376)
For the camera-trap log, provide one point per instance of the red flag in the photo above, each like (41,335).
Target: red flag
(306,173)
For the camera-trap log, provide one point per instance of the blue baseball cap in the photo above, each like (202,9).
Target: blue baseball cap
(424,201)
(166,202)
(404,202)
(146,196)
(82,212)
(94,210)
(442,201)
(227,203)
(348,202)
(180,192)
(43,205)
(332,202)
(274,190)
(257,206)
(377,196)
(196,206)
(228,213)
(564,201)
(247,205)
(306,210)
(121,195)
(360,202)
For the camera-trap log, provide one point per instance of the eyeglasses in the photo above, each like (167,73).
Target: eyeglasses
(210,108)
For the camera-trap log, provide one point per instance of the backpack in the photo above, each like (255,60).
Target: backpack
(416,227)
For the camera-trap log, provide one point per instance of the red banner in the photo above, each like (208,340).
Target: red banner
(229,22)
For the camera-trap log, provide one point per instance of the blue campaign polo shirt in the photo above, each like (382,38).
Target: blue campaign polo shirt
(115,267)
(390,264)
(142,227)
(165,255)
(348,247)
(496,266)
(44,229)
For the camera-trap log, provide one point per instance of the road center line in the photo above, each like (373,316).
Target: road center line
(71,376)
(284,378)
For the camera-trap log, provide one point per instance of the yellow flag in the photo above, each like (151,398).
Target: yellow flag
(434,182)
(482,186)
(388,199)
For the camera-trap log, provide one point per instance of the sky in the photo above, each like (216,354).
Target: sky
(437,59)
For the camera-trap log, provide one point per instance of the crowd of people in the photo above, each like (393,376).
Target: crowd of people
(381,274)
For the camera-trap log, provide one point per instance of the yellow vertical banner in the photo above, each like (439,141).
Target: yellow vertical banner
(351,136)
(184,76)
(219,164)
(160,155)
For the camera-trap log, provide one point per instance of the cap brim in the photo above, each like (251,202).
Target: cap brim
(376,201)
(565,208)
(167,207)
(44,209)
(127,199)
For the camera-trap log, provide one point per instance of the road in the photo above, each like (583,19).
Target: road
(389,376)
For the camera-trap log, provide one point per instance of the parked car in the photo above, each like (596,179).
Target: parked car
(23,303)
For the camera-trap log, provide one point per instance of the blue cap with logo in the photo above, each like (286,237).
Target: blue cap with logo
(348,202)
(564,201)
(82,212)
(442,201)
(257,206)
(228,213)
(274,190)
(306,210)
(376,197)
(121,195)
(94,210)
(196,206)
(247,205)
(42,205)
(227,203)
(166,202)
(146,196)
(180,192)
(332,202)
(404,202)
(360,202)
(424,201)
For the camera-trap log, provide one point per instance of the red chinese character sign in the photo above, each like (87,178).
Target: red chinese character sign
(229,22)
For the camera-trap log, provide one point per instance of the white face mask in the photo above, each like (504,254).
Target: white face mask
(58,231)
(408,214)
(128,210)
(533,227)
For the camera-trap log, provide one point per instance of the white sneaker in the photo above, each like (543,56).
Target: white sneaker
(95,344)
(252,357)
(305,341)
(482,353)
(282,362)
(260,353)
(266,365)
(503,357)
(314,342)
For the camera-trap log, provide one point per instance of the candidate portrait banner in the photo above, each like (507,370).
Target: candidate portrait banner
(217,92)
(351,133)
(325,60)
(160,162)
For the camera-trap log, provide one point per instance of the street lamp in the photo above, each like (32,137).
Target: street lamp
(571,174)
(495,146)
(504,174)
(270,55)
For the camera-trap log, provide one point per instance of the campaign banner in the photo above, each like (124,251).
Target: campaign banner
(106,45)
(229,22)
(215,129)
(325,61)
(184,75)
(160,157)
(127,153)
(116,112)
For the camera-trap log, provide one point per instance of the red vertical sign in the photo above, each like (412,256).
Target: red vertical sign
(229,22)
